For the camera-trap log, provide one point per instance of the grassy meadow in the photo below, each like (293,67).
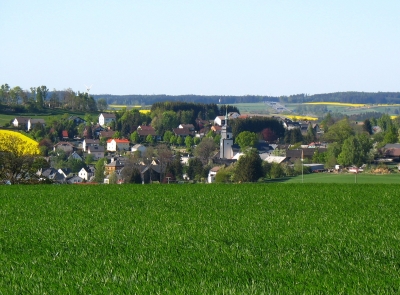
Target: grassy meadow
(200,239)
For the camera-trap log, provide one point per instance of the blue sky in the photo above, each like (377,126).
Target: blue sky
(270,47)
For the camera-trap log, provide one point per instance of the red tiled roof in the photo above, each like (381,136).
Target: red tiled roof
(64,133)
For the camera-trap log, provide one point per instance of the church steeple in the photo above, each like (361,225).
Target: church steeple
(226,140)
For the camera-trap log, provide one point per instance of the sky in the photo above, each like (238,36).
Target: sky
(203,47)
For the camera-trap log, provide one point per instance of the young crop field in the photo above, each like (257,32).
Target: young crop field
(200,239)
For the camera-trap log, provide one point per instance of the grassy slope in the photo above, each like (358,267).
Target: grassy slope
(200,239)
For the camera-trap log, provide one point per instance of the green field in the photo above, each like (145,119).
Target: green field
(360,178)
(200,239)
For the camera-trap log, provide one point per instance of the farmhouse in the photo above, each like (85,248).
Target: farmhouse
(20,122)
(67,147)
(106,118)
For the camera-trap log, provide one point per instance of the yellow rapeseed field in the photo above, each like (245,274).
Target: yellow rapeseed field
(337,104)
(24,144)
(144,111)
(302,118)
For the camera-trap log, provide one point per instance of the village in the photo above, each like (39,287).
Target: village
(189,152)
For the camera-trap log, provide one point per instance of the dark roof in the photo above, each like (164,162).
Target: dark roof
(108,115)
(307,153)
(181,131)
(22,119)
(107,134)
(146,132)
(96,148)
(34,121)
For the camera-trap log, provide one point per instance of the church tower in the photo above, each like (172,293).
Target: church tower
(226,142)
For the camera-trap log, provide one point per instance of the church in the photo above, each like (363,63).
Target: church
(226,143)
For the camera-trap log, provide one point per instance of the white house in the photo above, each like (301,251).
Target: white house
(219,120)
(20,122)
(212,173)
(85,174)
(117,144)
(106,118)
(89,142)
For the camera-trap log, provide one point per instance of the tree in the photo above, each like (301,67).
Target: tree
(246,139)
(150,139)
(102,104)
(224,174)
(390,135)
(179,140)
(15,165)
(188,142)
(311,134)
(355,150)
(367,126)
(339,131)
(135,138)
(276,171)
(269,135)
(99,172)
(136,177)
(164,157)
(167,136)
(89,159)
(249,167)
(195,169)
(175,167)
(205,149)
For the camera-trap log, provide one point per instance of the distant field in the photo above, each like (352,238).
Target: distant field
(200,239)
(337,104)
(143,109)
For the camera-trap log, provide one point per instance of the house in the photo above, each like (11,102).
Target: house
(107,134)
(65,171)
(138,147)
(64,134)
(97,151)
(106,118)
(219,120)
(67,147)
(20,122)
(182,132)
(77,120)
(212,173)
(188,126)
(290,125)
(53,175)
(200,123)
(391,150)
(74,180)
(216,128)
(273,159)
(114,145)
(145,131)
(75,156)
(233,115)
(89,142)
(33,122)
(114,166)
(86,173)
